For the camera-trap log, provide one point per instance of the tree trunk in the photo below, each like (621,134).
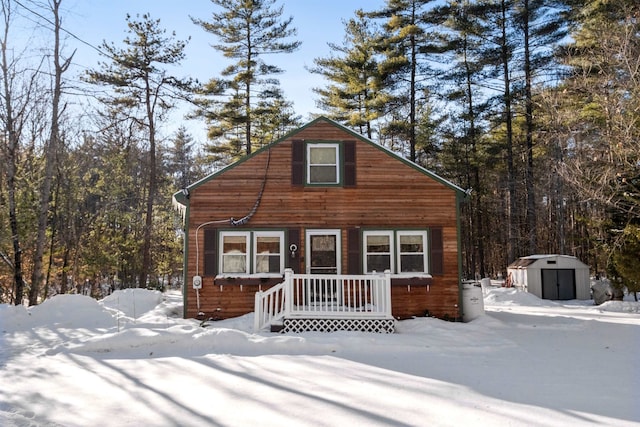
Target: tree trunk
(11,129)
(531,197)
(13,220)
(50,153)
(412,94)
(512,211)
(146,246)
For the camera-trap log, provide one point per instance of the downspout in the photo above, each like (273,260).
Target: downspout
(460,197)
(185,258)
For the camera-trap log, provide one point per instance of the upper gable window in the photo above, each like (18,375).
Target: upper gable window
(323,163)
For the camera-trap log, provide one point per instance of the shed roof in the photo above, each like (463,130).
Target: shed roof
(526,261)
(180,197)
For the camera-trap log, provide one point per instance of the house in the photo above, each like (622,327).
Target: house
(553,277)
(326,227)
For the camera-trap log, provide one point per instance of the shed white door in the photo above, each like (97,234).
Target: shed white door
(558,284)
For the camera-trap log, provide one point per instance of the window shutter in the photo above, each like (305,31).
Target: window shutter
(297,162)
(349,163)
(354,261)
(210,256)
(437,252)
(293,239)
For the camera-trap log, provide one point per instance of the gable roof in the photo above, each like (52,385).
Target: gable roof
(180,197)
(526,261)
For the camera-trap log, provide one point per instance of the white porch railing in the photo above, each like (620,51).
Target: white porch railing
(324,296)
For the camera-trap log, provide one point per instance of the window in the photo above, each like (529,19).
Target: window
(234,253)
(412,253)
(247,252)
(269,247)
(377,251)
(323,163)
(401,252)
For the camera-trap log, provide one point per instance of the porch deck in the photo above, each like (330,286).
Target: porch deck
(315,302)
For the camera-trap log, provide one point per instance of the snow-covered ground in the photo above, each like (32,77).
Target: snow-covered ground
(130,360)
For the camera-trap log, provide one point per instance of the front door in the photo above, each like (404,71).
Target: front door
(323,257)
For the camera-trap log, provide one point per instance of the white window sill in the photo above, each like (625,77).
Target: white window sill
(249,276)
(407,275)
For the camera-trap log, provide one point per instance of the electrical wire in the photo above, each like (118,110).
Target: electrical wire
(247,217)
(232,221)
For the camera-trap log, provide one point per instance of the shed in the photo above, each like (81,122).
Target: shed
(553,277)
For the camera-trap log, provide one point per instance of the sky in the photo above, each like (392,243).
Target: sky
(130,360)
(318,23)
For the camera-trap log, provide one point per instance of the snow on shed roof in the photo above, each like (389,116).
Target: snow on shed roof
(526,261)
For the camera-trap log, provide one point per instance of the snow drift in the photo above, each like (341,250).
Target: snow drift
(130,360)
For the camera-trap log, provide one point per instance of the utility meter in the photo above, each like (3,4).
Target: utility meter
(197,282)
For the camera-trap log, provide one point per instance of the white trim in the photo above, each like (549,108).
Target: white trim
(247,253)
(255,254)
(425,250)
(387,233)
(336,148)
(323,232)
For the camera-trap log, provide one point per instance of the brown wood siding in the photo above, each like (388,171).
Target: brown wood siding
(440,299)
(388,194)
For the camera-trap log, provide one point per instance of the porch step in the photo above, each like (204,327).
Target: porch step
(277,327)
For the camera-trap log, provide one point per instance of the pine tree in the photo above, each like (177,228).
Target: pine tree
(247,31)
(542,25)
(181,159)
(19,89)
(604,62)
(405,69)
(60,66)
(354,95)
(465,79)
(275,117)
(138,76)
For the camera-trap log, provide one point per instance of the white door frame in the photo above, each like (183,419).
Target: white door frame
(323,232)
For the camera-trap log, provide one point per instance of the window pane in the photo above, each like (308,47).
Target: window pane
(268,252)
(323,243)
(237,244)
(412,263)
(378,244)
(268,263)
(322,155)
(268,245)
(412,255)
(323,174)
(379,263)
(411,243)
(323,251)
(234,254)
(234,263)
